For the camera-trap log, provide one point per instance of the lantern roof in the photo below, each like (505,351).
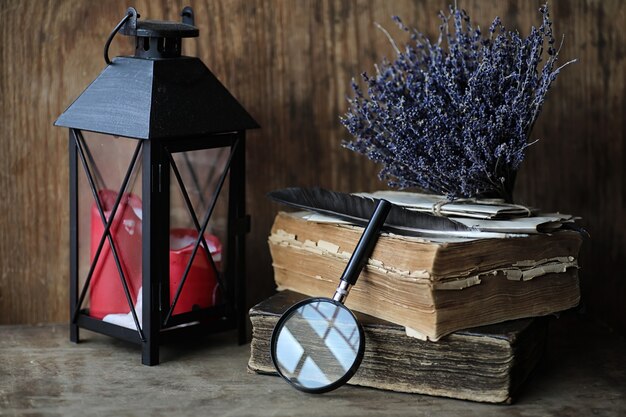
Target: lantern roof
(157,93)
(147,99)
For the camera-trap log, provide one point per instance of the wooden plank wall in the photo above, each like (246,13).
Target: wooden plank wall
(290,63)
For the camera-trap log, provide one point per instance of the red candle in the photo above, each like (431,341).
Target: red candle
(200,289)
(107,296)
(106,292)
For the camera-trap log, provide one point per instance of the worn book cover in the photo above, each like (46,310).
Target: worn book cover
(431,287)
(486,364)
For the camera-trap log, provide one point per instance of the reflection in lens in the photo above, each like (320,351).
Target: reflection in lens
(317,344)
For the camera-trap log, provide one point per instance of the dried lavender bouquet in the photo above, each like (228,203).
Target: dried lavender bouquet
(454,117)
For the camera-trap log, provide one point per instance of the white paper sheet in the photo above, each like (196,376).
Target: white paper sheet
(480,209)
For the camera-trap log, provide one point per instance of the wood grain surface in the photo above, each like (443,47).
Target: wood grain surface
(583,374)
(290,64)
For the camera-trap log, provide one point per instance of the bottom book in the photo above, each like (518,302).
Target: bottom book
(486,364)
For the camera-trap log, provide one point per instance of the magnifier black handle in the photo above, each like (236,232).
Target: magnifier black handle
(366,244)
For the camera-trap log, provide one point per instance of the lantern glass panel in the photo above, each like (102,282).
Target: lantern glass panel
(108,160)
(194,180)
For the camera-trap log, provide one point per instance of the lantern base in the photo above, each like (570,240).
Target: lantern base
(194,324)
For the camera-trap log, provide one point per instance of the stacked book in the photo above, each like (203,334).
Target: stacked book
(451,314)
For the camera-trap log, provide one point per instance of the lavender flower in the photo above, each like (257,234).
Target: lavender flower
(454,117)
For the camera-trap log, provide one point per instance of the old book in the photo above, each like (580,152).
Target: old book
(487,364)
(432,287)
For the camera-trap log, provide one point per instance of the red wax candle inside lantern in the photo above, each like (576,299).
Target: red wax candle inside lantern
(200,289)
(106,292)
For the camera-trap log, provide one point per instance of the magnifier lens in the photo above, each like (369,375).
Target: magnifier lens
(317,345)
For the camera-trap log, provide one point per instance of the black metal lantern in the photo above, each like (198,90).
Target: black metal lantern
(158,220)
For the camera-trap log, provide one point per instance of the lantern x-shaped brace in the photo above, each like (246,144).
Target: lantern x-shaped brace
(106,235)
(200,228)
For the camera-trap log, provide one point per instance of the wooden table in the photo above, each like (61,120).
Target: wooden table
(42,373)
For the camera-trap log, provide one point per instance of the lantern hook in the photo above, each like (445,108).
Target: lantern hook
(187,16)
(130,13)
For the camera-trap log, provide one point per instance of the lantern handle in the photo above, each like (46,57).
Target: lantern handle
(131,12)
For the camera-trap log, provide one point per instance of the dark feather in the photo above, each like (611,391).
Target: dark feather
(358,210)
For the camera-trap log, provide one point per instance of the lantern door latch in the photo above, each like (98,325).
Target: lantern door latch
(157,178)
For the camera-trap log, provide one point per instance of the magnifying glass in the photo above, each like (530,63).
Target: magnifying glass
(318,344)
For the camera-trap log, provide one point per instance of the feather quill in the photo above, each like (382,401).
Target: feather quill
(358,209)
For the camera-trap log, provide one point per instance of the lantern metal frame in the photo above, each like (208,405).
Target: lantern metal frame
(160,134)
(158,323)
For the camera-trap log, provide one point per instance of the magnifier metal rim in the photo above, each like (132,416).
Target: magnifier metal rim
(349,374)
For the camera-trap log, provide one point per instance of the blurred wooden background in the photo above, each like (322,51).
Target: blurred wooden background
(290,64)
